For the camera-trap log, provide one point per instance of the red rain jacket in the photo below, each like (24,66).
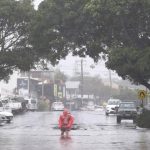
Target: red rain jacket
(66,121)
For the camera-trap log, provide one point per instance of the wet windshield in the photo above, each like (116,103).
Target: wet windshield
(113,102)
(33,101)
(1,105)
(127,105)
(57,104)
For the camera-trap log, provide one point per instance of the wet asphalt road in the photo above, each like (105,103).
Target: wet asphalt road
(38,131)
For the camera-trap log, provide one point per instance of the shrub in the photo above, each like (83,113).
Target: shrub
(143,120)
(43,106)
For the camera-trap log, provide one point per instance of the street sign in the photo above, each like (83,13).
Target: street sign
(142,94)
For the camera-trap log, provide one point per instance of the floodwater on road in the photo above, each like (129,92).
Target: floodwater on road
(38,131)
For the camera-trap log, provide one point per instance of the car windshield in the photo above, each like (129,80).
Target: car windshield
(33,101)
(113,102)
(58,104)
(127,105)
(1,105)
(4,101)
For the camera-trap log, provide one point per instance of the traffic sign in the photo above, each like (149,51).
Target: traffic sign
(142,94)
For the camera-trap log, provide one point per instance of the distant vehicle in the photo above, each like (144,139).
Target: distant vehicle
(127,110)
(12,104)
(2,119)
(112,106)
(31,104)
(4,114)
(57,106)
(6,105)
(98,108)
(83,108)
(90,106)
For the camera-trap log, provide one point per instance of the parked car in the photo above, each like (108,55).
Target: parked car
(6,105)
(127,110)
(4,114)
(112,106)
(32,104)
(57,106)
(2,119)
(98,108)
(90,106)
(12,104)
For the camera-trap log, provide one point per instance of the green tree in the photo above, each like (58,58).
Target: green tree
(119,29)
(132,64)
(130,51)
(15,51)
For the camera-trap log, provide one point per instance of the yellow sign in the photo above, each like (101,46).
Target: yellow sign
(60,95)
(142,94)
(55,89)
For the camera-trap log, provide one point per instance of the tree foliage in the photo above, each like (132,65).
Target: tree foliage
(119,29)
(15,51)
(129,55)
(132,64)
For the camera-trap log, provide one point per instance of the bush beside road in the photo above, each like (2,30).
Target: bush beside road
(143,119)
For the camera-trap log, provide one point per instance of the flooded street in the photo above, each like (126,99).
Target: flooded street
(38,131)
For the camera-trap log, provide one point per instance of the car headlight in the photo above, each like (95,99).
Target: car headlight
(2,117)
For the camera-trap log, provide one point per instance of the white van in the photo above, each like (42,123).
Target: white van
(32,104)
(112,105)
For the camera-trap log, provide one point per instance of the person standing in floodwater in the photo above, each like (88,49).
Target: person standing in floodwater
(65,122)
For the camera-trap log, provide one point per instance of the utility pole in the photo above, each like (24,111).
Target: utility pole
(80,63)
(29,78)
(110,80)
(82,81)
(42,89)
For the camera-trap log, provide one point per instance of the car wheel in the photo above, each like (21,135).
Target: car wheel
(9,120)
(107,114)
(118,119)
(134,120)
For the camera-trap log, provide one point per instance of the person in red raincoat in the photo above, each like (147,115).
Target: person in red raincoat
(65,122)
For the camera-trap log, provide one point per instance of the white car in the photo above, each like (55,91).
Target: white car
(8,116)
(99,108)
(57,106)
(2,119)
(32,104)
(11,105)
(5,115)
(111,107)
